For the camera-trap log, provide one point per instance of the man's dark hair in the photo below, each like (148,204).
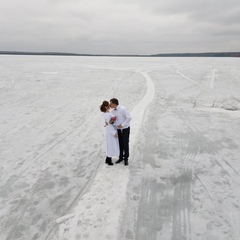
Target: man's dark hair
(114,100)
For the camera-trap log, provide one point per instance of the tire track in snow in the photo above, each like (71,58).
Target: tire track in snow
(181,215)
(212,189)
(193,130)
(99,212)
(50,145)
(189,79)
(7,84)
(181,226)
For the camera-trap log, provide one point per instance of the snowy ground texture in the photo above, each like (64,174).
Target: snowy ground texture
(183,181)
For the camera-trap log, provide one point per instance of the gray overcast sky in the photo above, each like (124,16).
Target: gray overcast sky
(120,26)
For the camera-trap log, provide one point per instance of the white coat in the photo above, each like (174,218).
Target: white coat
(112,144)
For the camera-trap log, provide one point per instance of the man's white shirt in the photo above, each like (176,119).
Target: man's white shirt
(123,116)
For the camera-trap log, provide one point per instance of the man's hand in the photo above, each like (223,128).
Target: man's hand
(119,126)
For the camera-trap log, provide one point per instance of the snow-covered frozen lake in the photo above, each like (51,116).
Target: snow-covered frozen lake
(183,178)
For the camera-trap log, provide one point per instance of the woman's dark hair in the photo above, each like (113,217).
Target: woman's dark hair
(114,100)
(103,107)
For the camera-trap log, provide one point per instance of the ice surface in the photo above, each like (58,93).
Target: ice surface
(183,179)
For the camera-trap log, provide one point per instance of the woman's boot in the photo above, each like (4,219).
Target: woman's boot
(109,161)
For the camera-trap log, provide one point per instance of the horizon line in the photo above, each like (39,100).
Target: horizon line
(236,54)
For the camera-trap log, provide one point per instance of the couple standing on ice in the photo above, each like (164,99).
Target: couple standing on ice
(117,120)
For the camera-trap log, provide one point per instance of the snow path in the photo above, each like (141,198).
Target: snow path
(212,78)
(100,209)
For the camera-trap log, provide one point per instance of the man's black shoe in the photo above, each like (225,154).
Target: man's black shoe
(126,162)
(119,160)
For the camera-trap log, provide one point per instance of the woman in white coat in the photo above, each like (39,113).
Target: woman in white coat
(112,145)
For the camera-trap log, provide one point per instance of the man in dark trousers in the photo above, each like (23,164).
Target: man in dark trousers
(123,125)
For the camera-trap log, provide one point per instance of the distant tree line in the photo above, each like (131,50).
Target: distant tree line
(207,54)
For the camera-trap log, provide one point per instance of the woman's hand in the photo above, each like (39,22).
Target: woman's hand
(116,135)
